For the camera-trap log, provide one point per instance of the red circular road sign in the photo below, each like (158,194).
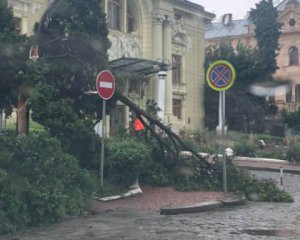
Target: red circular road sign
(105,84)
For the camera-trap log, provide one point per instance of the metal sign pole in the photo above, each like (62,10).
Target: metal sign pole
(222,95)
(102,142)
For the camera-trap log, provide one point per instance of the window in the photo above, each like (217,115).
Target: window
(294,56)
(177,108)
(113,14)
(288,96)
(297,93)
(292,22)
(176,62)
(18,25)
(131,25)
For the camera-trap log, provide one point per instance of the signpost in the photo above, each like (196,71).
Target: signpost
(105,85)
(220,77)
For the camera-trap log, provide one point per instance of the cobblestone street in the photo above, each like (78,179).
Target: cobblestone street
(251,221)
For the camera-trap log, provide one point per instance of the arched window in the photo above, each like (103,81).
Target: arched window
(294,56)
(113,14)
(122,15)
(131,16)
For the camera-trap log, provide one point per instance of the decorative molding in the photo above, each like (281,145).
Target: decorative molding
(179,34)
(26,6)
(36,8)
(123,46)
(158,18)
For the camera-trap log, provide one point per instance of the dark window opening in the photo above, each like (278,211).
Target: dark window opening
(288,96)
(177,64)
(18,25)
(292,22)
(113,14)
(177,108)
(297,93)
(294,56)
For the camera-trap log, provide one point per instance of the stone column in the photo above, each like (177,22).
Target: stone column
(167,55)
(157,48)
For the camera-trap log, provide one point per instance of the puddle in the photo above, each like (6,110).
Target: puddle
(274,233)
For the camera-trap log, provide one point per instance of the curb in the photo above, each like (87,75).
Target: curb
(270,169)
(130,193)
(205,206)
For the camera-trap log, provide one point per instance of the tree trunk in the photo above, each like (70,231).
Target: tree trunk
(22,119)
(175,139)
(1,120)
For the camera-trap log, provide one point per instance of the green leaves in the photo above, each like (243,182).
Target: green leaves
(39,183)
(126,160)
(265,18)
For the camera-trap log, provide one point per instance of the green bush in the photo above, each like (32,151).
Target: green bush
(39,183)
(126,160)
(155,174)
(293,153)
(238,180)
(245,149)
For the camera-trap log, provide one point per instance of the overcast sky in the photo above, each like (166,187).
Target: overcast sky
(238,8)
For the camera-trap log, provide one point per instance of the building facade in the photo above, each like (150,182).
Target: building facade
(170,31)
(167,30)
(243,31)
(27,13)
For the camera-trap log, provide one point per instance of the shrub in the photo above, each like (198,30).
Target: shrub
(155,174)
(293,153)
(39,183)
(126,159)
(239,180)
(245,149)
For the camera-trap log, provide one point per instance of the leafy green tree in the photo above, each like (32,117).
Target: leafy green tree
(73,43)
(244,112)
(267,31)
(11,49)
(292,119)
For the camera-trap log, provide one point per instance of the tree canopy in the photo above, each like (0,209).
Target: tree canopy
(12,47)
(73,43)
(267,32)
(244,111)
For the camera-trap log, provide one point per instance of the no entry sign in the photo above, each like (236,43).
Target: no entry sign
(105,84)
(220,75)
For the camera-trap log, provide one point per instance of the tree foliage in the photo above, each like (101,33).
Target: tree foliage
(12,58)
(267,31)
(244,112)
(73,43)
(39,183)
(292,119)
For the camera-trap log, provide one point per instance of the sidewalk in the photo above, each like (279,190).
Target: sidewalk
(155,198)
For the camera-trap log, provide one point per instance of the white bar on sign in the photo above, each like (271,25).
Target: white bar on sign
(106,85)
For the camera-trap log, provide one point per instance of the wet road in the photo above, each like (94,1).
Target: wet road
(252,221)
